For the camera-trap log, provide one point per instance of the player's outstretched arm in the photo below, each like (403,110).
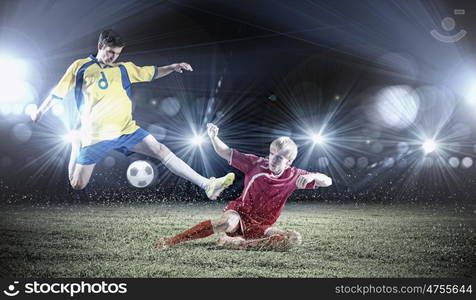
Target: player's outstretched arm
(220,148)
(178,67)
(44,107)
(321,180)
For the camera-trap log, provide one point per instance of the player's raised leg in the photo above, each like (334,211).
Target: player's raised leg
(81,176)
(227,222)
(75,149)
(213,186)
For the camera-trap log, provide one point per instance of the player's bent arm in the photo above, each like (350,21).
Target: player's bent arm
(163,71)
(166,70)
(44,107)
(322,180)
(221,148)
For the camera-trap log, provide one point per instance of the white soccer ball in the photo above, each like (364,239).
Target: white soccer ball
(140,173)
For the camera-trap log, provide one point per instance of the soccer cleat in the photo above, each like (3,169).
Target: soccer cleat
(162,244)
(217,185)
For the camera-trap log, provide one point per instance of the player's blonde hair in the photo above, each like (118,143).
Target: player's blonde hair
(285,144)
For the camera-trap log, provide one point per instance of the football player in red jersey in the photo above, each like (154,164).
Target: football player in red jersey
(248,221)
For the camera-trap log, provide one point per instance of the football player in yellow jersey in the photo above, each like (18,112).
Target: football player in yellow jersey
(102,90)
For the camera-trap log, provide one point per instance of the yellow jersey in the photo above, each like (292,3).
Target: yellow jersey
(103,96)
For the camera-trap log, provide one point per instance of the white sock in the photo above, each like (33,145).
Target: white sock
(75,148)
(180,168)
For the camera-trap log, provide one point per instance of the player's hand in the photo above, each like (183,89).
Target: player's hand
(320,179)
(35,116)
(304,180)
(212,130)
(179,67)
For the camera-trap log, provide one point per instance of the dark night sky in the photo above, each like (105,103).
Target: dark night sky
(304,53)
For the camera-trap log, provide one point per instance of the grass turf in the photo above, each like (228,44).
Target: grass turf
(338,241)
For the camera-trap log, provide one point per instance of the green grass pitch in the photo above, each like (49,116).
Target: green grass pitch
(339,240)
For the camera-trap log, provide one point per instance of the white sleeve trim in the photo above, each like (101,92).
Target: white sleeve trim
(231,156)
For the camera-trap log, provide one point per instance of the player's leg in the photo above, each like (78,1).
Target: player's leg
(81,176)
(228,222)
(275,238)
(291,238)
(75,149)
(231,242)
(274,242)
(151,147)
(213,186)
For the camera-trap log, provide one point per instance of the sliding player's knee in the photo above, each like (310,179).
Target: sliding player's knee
(223,224)
(228,222)
(232,222)
(219,225)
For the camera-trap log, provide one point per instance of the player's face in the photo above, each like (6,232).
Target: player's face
(107,54)
(278,161)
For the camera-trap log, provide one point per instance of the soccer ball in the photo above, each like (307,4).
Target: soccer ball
(140,173)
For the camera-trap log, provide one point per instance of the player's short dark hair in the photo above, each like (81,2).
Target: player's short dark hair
(111,38)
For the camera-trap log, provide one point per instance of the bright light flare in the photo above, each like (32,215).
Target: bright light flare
(396,106)
(429,146)
(58,110)
(30,109)
(197,140)
(71,137)
(318,139)
(11,69)
(5,109)
(17,92)
(471,94)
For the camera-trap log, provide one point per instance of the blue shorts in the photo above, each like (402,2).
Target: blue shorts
(92,154)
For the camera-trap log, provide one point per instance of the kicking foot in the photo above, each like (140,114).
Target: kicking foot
(217,185)
(162,244)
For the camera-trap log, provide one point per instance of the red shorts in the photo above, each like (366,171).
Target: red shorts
(249,228)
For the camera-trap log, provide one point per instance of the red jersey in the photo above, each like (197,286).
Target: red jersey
(264,193)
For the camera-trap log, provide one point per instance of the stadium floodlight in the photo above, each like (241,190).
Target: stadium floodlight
(471,95)
(11,69)
(71,137)
(397,106)
(5,109)
(12,75)
(429,146)
(317,138)
(13,86)
(197,140)
(17,108)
